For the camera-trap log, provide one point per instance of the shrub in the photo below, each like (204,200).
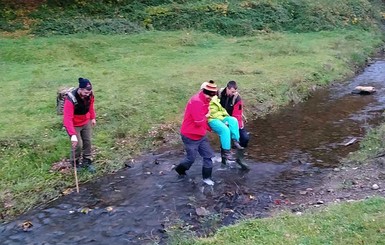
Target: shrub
(97,26)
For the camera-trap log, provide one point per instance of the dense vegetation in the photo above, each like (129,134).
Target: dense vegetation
(231,17)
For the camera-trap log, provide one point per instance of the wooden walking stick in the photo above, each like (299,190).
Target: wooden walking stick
(75,170)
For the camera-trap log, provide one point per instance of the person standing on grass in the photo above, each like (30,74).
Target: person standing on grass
(224,125)
(194,133)
(232,102)
(78,119)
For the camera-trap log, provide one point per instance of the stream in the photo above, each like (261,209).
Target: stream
(289,150)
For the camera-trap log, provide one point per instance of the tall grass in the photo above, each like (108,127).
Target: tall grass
(142,83)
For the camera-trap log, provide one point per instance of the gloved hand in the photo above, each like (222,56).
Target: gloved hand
(74,141)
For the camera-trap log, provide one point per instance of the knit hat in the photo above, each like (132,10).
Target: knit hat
(85,83)
(209,88)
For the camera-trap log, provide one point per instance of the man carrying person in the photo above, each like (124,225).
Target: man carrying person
(193,132)
(232,102)
(78,119)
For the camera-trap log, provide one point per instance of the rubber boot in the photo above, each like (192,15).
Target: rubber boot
(206,175)
(237,145)
(181,170)
(224,160)
(239,159)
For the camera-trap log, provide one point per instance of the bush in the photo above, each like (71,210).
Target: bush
(97,26)
(228,18)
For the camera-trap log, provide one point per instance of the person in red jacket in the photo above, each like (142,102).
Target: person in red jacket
(78,119)
(232,102)
(193,132)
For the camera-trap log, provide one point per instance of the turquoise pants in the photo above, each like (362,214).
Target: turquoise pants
(226,132)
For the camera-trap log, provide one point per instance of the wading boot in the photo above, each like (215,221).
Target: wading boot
(181,170)
(206,175)
(239,159)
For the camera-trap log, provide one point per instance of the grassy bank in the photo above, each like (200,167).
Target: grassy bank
(142,83)
(349,223)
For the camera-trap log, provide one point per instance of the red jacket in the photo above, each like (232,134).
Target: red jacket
(195,125)
(77,115)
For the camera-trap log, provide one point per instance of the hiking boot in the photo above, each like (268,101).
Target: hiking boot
(87,164)
(237,145)
(78,164)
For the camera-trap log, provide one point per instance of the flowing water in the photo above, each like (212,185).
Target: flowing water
(289,151)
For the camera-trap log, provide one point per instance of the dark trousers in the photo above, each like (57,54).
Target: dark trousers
(244,137)
(83,148)
(193,147)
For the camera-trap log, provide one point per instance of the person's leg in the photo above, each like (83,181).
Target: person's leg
(86,134)
(243,137)
(244,140)
(207,153)
(232,123)
(223,131)
(191,148)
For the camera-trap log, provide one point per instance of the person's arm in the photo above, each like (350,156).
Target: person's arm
(237,113)
(92,111)
(68,116)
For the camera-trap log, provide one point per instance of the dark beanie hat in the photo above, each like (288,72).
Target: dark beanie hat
(85,83)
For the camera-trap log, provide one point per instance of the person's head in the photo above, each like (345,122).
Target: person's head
(85,87)
(209,89)
(231,88)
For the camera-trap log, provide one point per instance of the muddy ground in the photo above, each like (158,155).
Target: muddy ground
(347,183)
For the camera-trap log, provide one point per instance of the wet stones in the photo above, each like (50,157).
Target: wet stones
(364,90)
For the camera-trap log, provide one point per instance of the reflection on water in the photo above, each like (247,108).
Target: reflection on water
(290,150)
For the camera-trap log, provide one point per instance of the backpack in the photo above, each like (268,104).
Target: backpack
(61,95)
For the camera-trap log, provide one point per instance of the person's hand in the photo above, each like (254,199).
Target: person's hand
(93,122)
(74,141)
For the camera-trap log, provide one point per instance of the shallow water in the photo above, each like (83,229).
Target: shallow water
(289,151)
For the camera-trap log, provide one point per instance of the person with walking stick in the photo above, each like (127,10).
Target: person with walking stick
(78,118)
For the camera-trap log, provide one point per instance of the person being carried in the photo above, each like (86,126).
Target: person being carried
(224,125)
(194,133)
(232,102)
(78,118)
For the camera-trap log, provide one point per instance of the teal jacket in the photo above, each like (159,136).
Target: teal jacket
(216,110)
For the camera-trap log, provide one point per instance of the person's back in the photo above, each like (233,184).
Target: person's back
(194,124)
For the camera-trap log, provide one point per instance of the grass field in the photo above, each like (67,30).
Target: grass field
(349,223)
(142,83)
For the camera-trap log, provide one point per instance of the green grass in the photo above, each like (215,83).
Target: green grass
(142,82)
(349,223)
